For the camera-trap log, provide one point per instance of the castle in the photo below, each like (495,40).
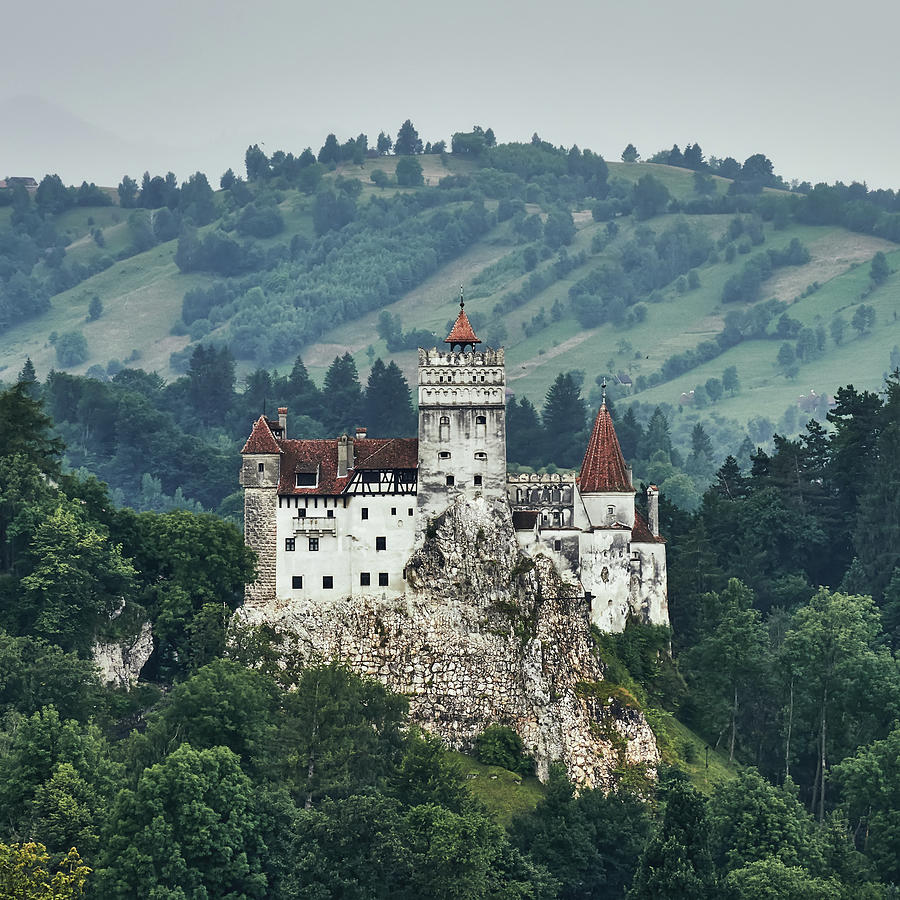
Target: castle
(341,518)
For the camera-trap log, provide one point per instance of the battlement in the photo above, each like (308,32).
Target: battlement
(486,357)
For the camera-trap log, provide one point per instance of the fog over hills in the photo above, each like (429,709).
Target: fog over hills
(40,137)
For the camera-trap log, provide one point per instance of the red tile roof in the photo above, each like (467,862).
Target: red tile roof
(370,453)
(603,469)
(261,439)
(641,533)
(462,331)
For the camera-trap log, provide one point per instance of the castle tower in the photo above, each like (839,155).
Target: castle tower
(605,481)
(260,474)
(462,421)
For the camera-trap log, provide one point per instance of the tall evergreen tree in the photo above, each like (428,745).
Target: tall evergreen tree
(564,421)
(388,408)
(524,433)
(677,864)
(341,395)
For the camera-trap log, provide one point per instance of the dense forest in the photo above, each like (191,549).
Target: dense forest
(784,659)
(229,771)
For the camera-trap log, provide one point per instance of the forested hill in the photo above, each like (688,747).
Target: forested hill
(668,274)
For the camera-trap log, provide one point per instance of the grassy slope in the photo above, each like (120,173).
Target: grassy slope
(142,298)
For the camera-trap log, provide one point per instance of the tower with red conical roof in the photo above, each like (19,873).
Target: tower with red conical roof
(462,421)
(605,480)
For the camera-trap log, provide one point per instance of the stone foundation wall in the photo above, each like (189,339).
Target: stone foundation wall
(484,635)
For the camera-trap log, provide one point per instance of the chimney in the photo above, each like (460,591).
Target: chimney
(361,432)
(282,421)
(628,473)
(345,455)
(653,509)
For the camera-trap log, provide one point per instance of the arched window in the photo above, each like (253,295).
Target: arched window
(444,430)
(480,426)
(444,454)
(481,456)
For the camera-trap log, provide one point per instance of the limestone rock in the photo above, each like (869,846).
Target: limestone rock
(120,663)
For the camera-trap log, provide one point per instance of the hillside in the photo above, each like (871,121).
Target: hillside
(518,283)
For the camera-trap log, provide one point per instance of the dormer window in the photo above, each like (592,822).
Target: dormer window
(308,478)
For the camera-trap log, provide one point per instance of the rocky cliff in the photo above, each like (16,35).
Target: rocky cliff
(485,635)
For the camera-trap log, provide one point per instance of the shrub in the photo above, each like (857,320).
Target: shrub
(499,745)
(71,348)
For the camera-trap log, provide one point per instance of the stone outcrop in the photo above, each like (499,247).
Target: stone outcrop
(484,634)
(120,662)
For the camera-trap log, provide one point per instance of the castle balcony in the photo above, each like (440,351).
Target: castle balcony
(314,525)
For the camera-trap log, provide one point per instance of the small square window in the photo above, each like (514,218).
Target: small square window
(393,510)
(381,543)
(301,513)
(327,582)
(297,582)
(260,467)
(444,454)
(477,481)
(289,544)
(557,545)
(365,579)
(330,513)
(305,479)
(365,512)
(382,579)
(313,544)
(409,512)
(450,481)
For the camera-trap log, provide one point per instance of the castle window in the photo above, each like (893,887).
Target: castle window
(370,477)
(477,481)
(409,511)
(382,579)
(381,543)
(480,426)
(364,512)
(481,456)
(444,454)
(444,428)
(610,513)
(365,579)
(327,582)
(260,467)
(305,479)
(296,582)
(330,514)
(557,545)
(393,510)
(301,513)
(313,544)
(289,544)
(450,481)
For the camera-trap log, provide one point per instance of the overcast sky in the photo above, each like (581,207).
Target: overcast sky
(97,88)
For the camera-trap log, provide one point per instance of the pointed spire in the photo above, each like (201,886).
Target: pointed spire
(261,439)
(462,332)
(603,469)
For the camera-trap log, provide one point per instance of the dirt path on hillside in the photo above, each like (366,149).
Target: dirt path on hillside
(529,365)
(831,256)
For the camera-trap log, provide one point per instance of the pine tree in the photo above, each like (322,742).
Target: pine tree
(341,395)
(564,421)
(524,434)
(388,408)
(677,864)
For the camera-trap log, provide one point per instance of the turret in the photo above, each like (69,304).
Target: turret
(462,421)
(260,474)
(605,481)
